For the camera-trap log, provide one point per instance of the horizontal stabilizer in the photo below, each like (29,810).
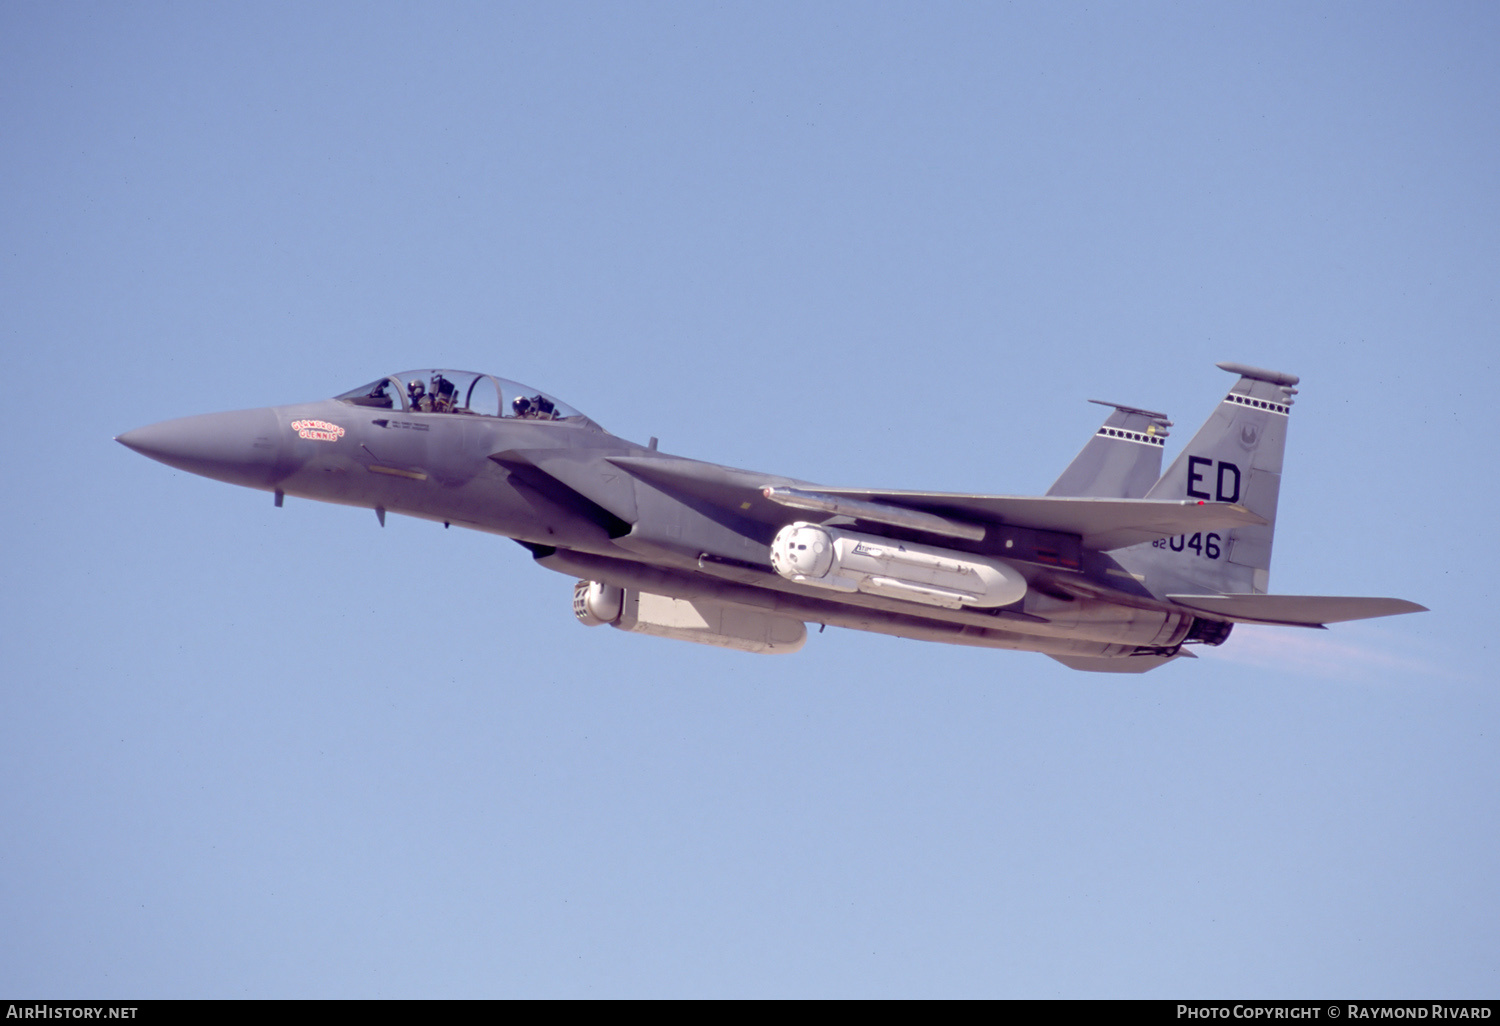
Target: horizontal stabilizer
(1295,610)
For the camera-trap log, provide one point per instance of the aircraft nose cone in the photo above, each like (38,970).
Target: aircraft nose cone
(240,447)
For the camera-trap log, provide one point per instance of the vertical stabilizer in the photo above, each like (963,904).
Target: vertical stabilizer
(1235,457)
(1121,461)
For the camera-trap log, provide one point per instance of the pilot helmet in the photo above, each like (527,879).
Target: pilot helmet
(521,406)
(416,387)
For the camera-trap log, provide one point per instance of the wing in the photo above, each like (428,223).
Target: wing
(1103,524)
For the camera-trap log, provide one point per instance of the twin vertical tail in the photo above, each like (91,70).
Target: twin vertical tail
(1121,461)
(1235,457)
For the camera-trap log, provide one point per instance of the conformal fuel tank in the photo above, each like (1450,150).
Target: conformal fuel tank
(827,557)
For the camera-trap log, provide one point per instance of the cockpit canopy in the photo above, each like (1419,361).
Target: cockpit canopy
(458,392)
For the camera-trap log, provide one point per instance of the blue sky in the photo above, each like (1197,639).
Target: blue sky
(283,753)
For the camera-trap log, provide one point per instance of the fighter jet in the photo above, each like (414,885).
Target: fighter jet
(1118,568)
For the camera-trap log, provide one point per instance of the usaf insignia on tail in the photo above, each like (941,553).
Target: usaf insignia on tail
(1117,568)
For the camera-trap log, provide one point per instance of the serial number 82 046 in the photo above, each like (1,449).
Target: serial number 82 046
(1205,545)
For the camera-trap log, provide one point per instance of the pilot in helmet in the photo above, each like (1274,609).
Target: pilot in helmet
(521,406)
(418,394)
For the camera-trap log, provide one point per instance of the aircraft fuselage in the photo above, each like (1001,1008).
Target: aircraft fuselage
(703,552)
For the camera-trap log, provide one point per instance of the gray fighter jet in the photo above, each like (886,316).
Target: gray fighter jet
(1116,568)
